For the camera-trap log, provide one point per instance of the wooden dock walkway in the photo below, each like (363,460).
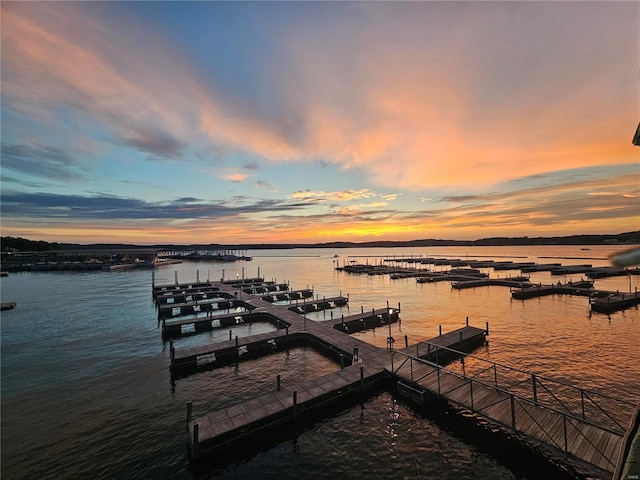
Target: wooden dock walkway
(420,372)
(601,301)
(517,282)
(614,302)
(317,305)
(555,425)
(178,296)
(172,329)
(214,431)
(216,302)
(291,331)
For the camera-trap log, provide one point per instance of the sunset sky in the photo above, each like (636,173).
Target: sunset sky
(242,122)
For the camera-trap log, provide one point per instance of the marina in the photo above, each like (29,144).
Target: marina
(418,375)
(407,421)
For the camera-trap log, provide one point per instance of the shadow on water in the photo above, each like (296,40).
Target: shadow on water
(431,431)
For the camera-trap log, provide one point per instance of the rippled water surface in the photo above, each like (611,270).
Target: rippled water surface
(86,390)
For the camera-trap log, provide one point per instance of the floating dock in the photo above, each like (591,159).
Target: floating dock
(614,302)
(528,407)
(547,419)
(215,431)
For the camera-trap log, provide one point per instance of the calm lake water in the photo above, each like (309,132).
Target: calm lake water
(86,390)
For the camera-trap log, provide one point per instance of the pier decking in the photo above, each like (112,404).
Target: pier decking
(214,431)
(569,432)
(419,372)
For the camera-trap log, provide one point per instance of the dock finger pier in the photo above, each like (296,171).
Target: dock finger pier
(581,425)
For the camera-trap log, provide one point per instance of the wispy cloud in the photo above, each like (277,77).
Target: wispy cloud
(55,206)
(157,143)
(268,186)
(337,196)
(44,161)
(412,115)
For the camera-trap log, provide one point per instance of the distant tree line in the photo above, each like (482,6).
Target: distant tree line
(10,244)
(22,244)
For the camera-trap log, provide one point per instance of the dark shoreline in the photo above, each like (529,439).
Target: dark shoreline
(628,238)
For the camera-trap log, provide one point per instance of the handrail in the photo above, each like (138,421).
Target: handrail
(538,377)
(499,389)
(512,397)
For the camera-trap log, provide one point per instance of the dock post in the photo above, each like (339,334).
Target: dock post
(440,330)
(278,383)
(230,334)
(535,392)
(189,410)
(467,321)
(242,273)
(399,310)
(487,330)
(172,351)
(236,341)
(176,273)
(197,276)
(513,412)
(196,428)
(361,309)
(295,403)
(355,353)
(361,377)
(406,341)
(343,319)
(331,315)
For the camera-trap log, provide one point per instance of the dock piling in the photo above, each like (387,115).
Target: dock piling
(439,330)
(189,412)
(196,429)
(487,329)
(355,353)
(467,321)
(295,403)
(406,341)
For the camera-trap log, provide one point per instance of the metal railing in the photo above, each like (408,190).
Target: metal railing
(605,411)
(518,402)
